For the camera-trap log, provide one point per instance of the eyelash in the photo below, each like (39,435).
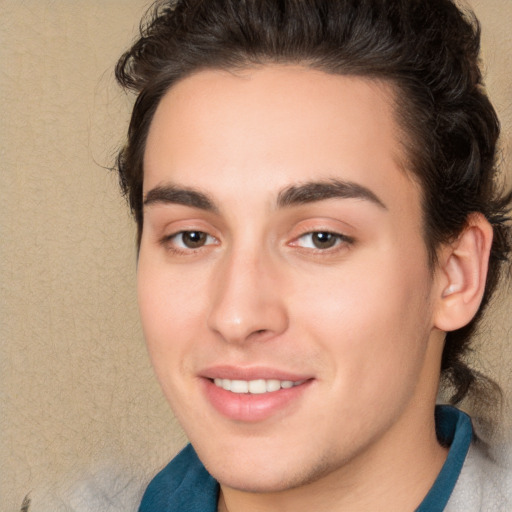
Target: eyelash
(180,248)
(169,242)
(340,241)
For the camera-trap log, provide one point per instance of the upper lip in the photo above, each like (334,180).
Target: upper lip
(251,373)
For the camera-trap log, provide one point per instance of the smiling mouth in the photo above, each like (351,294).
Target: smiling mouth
(255,387)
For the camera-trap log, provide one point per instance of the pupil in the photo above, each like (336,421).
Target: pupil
(324,240)
(194,239)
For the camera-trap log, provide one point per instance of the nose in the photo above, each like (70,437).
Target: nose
(247,301)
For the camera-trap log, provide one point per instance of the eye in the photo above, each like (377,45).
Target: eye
(191,239)
(321,240)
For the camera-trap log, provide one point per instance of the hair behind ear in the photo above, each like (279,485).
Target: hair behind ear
(462,274)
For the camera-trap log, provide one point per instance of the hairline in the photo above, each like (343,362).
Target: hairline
(409,146)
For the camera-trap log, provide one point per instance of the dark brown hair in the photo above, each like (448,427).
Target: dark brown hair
(429,50)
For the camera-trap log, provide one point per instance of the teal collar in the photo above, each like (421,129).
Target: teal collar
(454,429)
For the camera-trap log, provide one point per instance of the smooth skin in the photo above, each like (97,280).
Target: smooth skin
(237,272)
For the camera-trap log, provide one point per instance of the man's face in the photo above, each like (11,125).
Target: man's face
(282,254)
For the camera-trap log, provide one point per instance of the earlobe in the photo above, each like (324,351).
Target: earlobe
(462,275)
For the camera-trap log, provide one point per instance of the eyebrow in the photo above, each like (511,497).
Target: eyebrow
(171,194)
(314,191)
(294,195)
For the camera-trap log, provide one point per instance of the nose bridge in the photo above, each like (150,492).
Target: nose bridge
(245,298)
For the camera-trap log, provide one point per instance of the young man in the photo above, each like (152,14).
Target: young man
(319,232)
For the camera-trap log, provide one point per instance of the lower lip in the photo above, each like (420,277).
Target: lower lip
(249,407)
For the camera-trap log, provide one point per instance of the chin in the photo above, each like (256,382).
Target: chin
(269,477)
(261,483)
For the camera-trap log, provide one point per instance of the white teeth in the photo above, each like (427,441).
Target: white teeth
(239,386)
(273,385)
(255,387)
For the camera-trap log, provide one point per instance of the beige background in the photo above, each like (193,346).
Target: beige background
(81,417)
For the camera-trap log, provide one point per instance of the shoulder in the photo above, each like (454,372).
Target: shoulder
(482,485)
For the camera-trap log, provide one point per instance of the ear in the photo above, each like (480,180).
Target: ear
(462,274)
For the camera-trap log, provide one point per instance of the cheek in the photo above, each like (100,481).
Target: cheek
(170,316)
(169,311)
(371,318)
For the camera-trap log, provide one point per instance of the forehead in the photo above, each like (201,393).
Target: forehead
(267,128)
